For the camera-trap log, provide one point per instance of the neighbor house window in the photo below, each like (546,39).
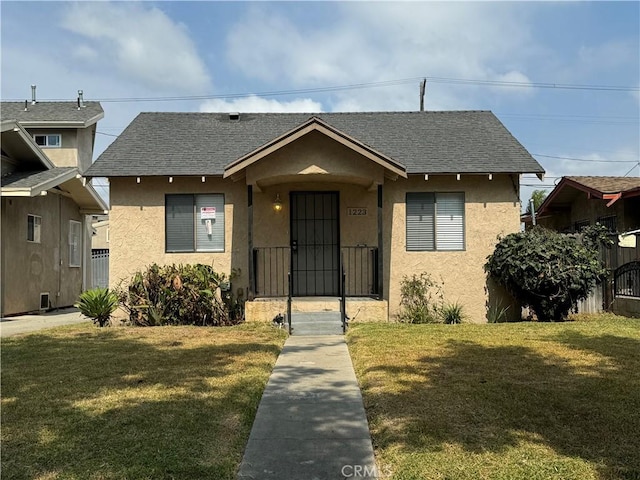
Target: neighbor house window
(75,243)
(435,221)
(50,140)
(194,223)
(34,224)
(610,222)
(580,225)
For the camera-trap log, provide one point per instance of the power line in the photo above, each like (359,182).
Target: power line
(386,83)
(584,159)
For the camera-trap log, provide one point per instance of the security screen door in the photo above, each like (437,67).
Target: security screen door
(315,243)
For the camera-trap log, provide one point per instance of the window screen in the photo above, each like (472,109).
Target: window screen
(194,223)
(34,225)
(75,243)
(435,221)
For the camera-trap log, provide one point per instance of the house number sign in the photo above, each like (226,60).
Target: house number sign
(356,211)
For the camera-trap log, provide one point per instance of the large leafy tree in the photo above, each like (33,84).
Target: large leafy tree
(547,271)
(538,197)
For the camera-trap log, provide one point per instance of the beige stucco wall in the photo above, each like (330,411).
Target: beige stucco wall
(28,268)
(76,149)
(313,159)
(137,226)
(100,240)
(492,208)
(271,229)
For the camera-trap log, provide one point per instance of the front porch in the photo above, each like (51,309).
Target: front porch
(357,308)
(314,224)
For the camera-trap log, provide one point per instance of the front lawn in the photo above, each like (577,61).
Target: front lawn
(132,403)
(502,401)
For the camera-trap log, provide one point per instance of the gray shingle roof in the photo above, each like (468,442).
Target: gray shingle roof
(424,142)
(52,112)
(30,179)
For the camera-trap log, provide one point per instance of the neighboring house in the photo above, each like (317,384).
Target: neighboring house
(46,203)
(577,202)
(100,232)
(100,251)
(392,194)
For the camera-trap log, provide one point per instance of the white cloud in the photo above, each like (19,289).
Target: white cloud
(256,104)
(371,42)
(142,43)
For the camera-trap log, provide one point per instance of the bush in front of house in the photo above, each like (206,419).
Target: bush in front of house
(452,313)
(421,299)
(192,294)
(98,304)
(547,271)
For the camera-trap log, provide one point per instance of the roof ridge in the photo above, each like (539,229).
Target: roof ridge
(378,112)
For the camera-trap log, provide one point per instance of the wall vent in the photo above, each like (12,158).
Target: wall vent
(234,116)
(44,301)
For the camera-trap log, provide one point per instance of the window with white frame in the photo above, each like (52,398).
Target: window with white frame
(75,243)
(194,223)
(435,221)
(51,140)
(34,225)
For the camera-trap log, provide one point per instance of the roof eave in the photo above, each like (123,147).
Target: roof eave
(62,124)
(38,189)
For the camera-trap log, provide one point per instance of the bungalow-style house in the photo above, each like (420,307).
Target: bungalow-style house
(386,195)
(577,202)
(46,203)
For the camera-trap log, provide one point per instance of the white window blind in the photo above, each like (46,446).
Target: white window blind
(435,221)
(210,231)
(194,223)
(450,221)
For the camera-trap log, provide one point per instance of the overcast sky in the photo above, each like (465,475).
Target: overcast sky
(208,56)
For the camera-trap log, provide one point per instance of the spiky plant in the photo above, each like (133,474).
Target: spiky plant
(98,304)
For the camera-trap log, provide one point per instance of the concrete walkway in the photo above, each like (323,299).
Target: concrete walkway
(31,323)
(311,423)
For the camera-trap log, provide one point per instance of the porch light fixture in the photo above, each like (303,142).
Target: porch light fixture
(277,204)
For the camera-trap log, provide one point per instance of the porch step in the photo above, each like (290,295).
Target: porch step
(315,304)
(316,323)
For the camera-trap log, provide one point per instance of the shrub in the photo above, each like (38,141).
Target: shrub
(180,295)
(452,313)
(98,304)
(420,299)
(546,271)
(497,313)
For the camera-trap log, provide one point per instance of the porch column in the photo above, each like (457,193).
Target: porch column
(251,292)
(380,245)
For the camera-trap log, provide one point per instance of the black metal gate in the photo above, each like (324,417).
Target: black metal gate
(315,243)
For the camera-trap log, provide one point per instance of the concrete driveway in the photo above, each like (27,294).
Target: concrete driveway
(31,323)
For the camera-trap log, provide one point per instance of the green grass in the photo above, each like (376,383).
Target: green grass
(132,403)
(502,401)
